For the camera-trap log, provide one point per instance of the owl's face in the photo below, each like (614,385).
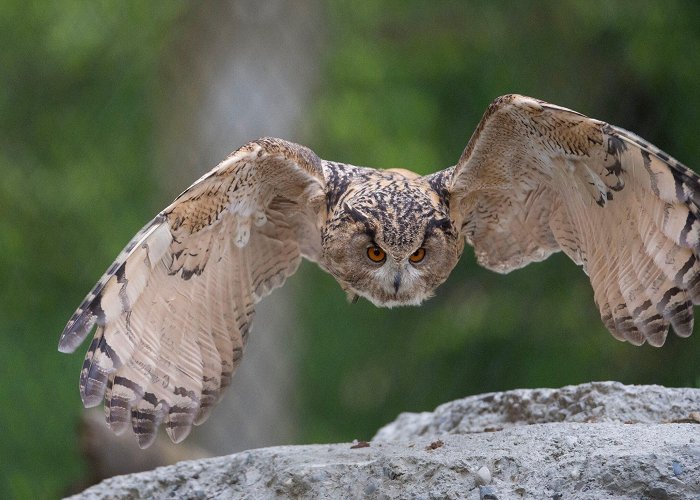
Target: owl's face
(392,243)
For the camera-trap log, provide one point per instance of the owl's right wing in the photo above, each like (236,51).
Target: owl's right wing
(537,178)
(174,310)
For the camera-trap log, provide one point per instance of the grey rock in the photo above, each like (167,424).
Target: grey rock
(599,440)
(592,402)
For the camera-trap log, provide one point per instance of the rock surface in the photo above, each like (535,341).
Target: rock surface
(590,441)
(586,403)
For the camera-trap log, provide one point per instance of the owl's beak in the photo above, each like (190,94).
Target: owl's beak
(397,282)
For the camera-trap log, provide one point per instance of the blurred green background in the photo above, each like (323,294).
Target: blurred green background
(402,84)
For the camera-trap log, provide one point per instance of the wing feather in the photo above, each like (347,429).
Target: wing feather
(174,311)
(537,178)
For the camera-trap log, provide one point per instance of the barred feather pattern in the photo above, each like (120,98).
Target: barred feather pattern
(538,178)
(173,312)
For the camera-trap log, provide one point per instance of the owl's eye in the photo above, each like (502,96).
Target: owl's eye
(376,254)
(417,256)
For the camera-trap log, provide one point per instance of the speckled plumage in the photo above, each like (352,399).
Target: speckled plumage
(397,211)
(172,314)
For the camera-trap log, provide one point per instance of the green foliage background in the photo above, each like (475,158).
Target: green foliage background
(78,85)
(404,83)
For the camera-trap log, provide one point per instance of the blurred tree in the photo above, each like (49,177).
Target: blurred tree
(237,71)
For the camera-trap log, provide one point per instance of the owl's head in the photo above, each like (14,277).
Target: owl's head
(392,243)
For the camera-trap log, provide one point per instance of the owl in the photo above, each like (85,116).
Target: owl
(172,314)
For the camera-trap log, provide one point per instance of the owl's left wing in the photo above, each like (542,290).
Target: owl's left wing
(172,314)
(537,178)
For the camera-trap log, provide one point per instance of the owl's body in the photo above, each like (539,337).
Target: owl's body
(173,313)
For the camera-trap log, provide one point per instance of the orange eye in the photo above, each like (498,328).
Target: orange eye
(376,254)
(417,256)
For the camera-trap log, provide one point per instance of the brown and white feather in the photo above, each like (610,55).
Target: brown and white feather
(538,178)
(174,312)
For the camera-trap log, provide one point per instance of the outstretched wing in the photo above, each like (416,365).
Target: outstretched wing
(537,178)
(174,310)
